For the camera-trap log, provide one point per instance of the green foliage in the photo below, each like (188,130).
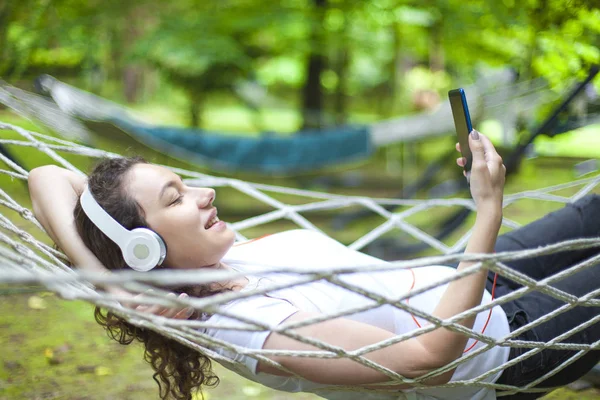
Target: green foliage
(369,47)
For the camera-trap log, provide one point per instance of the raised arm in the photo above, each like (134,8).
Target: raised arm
(425,353)
(487,187)
(54,192)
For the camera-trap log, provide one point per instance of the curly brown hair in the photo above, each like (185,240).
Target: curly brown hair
(179,370)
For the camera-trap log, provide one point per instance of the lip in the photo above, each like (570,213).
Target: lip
(212,214)
(218,226)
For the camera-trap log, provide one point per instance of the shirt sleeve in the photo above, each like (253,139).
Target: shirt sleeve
(260,309)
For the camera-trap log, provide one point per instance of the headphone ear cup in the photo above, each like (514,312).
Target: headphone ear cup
(144,250)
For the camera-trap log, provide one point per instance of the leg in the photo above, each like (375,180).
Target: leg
(576,220)
(536,305)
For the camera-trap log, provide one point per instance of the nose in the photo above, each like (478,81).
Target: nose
(206,196)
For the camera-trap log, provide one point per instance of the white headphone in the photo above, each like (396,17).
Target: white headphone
(143,249)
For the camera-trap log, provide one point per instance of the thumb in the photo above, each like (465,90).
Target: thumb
(476,146)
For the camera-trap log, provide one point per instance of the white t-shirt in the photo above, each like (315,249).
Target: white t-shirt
(299,249)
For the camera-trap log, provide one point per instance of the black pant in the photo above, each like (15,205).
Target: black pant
(576,220)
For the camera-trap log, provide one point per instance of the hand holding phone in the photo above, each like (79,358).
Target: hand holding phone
(462,123)
(486,184)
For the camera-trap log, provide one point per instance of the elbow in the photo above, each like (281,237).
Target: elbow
(46,175)
(430,363)
(38,179)
(440,379)
(39,175)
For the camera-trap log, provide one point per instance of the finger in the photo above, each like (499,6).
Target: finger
(461,161)
(171,312)
(457,146)
(156,310)
(490,151)
(178,312)
(135,299)
(184,314)
(476,145)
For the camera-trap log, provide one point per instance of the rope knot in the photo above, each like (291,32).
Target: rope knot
(25,213)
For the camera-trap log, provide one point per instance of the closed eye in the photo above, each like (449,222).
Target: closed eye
(178,200)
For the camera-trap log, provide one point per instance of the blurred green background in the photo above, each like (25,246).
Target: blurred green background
(250,66)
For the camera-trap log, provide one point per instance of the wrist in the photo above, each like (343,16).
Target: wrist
(490,210)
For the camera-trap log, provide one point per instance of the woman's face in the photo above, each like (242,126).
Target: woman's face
(183,216)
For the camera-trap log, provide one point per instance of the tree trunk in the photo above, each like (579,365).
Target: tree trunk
(132,75)
(6,9)
(132,82)
(341,70)
(436,46)
(312,102)
(339,100)
(394,66)
(195,111)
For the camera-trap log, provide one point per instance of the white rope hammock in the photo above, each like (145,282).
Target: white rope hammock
(26,260)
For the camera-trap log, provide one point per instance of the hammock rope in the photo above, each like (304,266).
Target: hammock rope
(27,260)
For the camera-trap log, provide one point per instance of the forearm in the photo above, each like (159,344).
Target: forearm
(464,293)
(54,192)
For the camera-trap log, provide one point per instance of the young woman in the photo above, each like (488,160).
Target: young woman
(137,194)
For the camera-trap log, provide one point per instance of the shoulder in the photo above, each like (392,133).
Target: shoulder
(260,311)
(246,323)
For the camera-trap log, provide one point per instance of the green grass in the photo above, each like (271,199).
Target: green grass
(59,352)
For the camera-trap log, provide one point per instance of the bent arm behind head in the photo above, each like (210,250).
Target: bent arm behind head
(54,192)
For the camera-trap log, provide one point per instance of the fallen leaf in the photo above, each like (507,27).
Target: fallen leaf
(51,357)
(37,303)
(48,353)
(198,396)
(103,371)
(251,391)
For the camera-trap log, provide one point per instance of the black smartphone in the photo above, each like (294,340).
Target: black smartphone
(462,122)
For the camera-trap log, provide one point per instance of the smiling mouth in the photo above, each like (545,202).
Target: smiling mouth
(212,221)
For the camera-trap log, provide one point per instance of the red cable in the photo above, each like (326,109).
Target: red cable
(252,240)
(486,322)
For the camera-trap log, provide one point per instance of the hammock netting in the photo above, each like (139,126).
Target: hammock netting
(27,260)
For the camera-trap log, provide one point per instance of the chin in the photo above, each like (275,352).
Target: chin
(231,235)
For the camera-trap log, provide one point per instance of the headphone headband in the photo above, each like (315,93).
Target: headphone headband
(107,224)
(142,248)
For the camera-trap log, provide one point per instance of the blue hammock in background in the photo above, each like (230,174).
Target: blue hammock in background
(268,153)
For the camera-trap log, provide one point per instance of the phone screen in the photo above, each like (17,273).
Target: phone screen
(462,122)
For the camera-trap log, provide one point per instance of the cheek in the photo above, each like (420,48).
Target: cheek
(180,224)
(178,233)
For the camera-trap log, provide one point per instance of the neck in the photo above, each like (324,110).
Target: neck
(234,284)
